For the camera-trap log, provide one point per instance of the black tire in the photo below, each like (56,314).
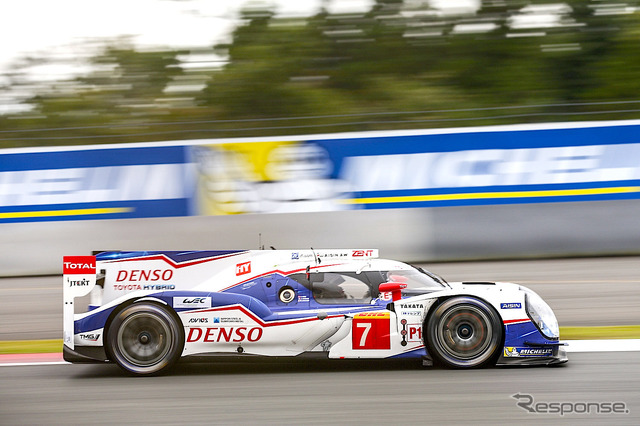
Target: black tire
(464,332)
(145,339)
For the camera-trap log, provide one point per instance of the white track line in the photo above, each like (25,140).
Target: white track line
(29,364)
(611,345)
(573,346)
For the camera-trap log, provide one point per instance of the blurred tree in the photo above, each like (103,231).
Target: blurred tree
(399,65)
(616,75)
(122,77)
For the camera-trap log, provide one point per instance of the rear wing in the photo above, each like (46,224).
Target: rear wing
(78,279)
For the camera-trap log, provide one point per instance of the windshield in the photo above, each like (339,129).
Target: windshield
(353,288)
(417,280)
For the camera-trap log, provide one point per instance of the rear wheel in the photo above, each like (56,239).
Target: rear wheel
(145,339)
(464,332)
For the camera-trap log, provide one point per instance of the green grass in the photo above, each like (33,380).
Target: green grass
(30,346)
(566,333)
(605,332)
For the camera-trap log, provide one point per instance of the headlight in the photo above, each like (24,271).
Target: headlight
(541,315)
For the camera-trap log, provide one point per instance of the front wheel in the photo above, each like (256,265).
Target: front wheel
(464,332)
(145,339)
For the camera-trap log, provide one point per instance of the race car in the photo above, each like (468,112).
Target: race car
(145,310)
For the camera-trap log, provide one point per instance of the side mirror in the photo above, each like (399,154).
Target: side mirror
(394,288)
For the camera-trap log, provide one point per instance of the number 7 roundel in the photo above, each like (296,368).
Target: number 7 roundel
(371,330)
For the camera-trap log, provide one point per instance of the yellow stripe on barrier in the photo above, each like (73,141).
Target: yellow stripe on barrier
(493,195)
(54,213)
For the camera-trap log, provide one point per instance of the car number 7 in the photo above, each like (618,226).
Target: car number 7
(365,333)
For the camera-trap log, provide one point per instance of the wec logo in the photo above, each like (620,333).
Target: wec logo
(192,302)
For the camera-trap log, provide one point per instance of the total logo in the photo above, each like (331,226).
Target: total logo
(79,265)
(224,334)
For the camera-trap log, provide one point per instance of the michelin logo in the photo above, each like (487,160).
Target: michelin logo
(492,167)
(94,184)
(515,352)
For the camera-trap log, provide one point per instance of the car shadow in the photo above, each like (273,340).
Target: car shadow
(266,366)
(219,366)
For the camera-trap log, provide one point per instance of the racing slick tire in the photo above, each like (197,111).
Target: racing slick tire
(145,339)
(464,332)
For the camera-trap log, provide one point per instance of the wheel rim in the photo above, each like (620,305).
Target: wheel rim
(465,332)
(144,339)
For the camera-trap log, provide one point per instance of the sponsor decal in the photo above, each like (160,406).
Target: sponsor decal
(510,351)
(410,332)
(411,313)
(198,320)
(376,315)
(303,298)
(491,167)
(361,253)
(386,295)
(224,334)
(145,275)
(77,283)
(77,265)
(192,302)
(415,333)
(219,320)
(513,352)
(512,305)
(295,256)
(411,306)
(243,268)
(91,337)
(371,330)
(131,287)
(331,254)
(78,184)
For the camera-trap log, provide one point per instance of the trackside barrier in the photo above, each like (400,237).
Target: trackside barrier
(340,181)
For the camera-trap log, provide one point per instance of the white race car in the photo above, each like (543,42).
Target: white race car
(147,310)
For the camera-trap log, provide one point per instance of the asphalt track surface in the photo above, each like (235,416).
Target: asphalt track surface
(327,392)
(582,292)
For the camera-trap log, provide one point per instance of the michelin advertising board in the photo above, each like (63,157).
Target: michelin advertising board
(404,169)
